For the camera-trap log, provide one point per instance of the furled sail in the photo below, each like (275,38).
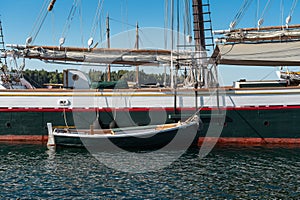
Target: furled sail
(259,35)
(258,54)
(99,55)
(263,46)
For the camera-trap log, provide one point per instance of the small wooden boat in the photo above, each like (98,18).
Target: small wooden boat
(139,137)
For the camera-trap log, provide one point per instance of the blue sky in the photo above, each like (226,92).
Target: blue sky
(19,16)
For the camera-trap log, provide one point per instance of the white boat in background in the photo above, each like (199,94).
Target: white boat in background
(293,77)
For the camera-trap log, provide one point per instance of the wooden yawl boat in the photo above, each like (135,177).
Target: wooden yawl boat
(137,138)
(247,112)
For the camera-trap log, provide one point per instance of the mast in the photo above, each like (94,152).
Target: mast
(202,26)
(108,46)
(137,47)
(51,5)
(2,45)
(172,44)
(199,34)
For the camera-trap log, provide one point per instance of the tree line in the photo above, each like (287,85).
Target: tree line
(127,75)
(40,77)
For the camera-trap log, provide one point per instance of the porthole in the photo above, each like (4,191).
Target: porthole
(75,77)
(8,124)
(266,123)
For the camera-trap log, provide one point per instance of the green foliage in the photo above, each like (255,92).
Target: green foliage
(126,75)
(39,77)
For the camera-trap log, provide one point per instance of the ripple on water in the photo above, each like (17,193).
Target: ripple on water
(227,172)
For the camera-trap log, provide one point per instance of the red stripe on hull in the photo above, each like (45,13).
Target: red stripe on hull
(144,109)
(28,139)
(291,142)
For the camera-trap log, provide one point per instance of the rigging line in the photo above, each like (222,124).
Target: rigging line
(190,30)
(265,9)
(81,22)
(126,19)
(41,13)
(53,26)
(166,23)
(39,28)
(266,76)
(95,20)
(101,30)
(250,125)
(257,11)
(65,118)
(281,12)
(178,25)
(39,24)
(121,13)
(121,22)
(185,24)
(70,18)
(97,17)
(124,14)
(172,25)
(188,16)
(242,11)
(293,7)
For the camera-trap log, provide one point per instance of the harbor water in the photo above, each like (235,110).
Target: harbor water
(264,172)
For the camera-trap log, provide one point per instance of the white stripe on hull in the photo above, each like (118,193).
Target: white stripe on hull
(230,98)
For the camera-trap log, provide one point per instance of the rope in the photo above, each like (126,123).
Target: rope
(166,23)
(65,118)
(261,19)
(289,17)
(266,76)
(81,23)
(257,11)
(188,17)
(39,16)
(178,25)
(70,18)
(39,21)
(293,7)
(240,13)
(265,9)
(121,22)
(251,126)
(97,17)
(53,26)
(281,11)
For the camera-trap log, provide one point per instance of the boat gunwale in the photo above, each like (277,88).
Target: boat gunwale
(152,131)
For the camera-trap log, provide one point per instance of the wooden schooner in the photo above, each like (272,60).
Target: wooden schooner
(248,112)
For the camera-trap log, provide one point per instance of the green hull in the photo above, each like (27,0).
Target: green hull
(265,122)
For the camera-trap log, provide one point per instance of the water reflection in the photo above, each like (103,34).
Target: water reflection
(29,171)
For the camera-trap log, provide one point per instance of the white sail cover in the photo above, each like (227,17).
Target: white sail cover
(101,55)
(259,54)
